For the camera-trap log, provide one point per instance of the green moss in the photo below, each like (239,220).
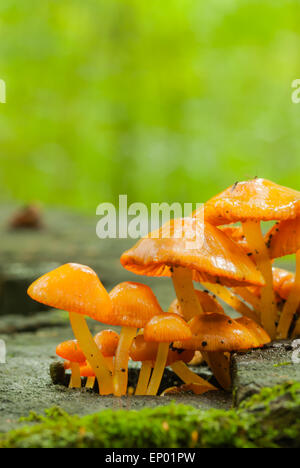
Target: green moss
(269,419)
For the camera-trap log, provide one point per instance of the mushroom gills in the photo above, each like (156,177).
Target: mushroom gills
(231,299)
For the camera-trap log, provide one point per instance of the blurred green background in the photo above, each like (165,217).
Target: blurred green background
(162,100)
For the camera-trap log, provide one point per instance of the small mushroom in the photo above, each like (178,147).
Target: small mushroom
(134,304)
(78,290)
(87,371)
(146,352)
(107,342)
(71,352)
(164,329)
(215,335)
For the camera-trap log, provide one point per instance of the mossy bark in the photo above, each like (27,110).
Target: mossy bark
(269,419)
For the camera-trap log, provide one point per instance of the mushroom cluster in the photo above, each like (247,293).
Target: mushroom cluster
(231,262)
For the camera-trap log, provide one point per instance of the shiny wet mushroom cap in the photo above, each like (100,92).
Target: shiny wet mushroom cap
(164,329)
(252,200)
(70,351)
(74,357)
(77,289)
(218,333)
(211,256)
(107,341)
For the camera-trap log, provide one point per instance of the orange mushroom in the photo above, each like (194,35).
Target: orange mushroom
(218,333)
(187,250)
(134,304)
(87,371)
(164,329)
(214,334)
(146,353)
(78,290)
(71,352)
(284,239)
(107,341)
(251,202)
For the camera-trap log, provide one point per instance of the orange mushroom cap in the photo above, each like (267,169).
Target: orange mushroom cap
(236,234)
(134,304)
(70,351)
(258,332)
(107,342)
(208,303)
(256,199)
(74,288)
(284,238)
(86,370)
(214,257)
(218,333)
(142,350)
(165,328)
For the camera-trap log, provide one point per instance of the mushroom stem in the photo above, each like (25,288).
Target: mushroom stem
(185,292)
(110,363)
(75,381)
(231,299)
(92,353)
(144,378)
(188,376)
(255,239)
(120,378)
(249,297)
(160,364)
(220,366)
(90,382)
(291,305)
